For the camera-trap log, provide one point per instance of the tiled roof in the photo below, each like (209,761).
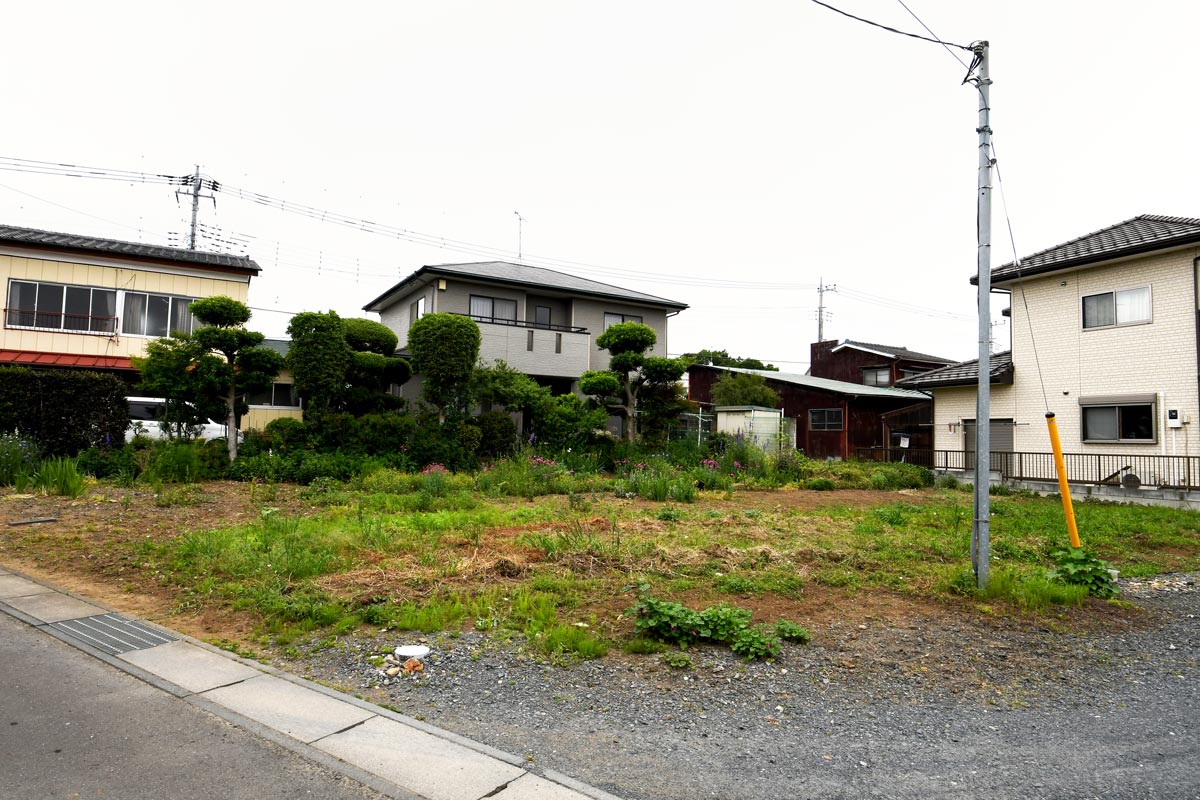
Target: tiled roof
(894,352)
(828,384)
(70,241)
(1143,234)
(35,358)
(965,373)
(523,275)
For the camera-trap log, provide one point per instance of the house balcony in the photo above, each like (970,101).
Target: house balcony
(552,351)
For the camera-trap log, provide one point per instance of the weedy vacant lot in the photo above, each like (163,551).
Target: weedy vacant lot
(254,564)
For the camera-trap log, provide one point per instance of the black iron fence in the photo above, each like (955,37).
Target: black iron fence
(1110,469)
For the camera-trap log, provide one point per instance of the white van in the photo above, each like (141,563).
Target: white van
(145,419)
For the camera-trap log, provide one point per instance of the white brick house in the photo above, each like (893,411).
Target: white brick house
(1108,324)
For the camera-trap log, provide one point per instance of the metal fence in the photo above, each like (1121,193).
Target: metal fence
(1108,469)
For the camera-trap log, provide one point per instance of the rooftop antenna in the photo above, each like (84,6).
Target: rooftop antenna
(520,232)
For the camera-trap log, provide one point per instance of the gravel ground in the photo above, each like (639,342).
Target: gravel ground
(951,704)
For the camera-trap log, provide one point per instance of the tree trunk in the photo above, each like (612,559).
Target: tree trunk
(231,431)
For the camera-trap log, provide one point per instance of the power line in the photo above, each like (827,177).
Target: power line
(893,30)
(934,35)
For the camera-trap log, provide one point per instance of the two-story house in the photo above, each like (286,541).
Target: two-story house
(81,302)
(1105,335)
(869,364)
(539,321)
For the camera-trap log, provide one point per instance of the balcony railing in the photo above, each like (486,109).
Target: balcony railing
(521,323)
(1107,469)
(59,321)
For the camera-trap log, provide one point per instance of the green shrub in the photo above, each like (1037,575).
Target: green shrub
(64,411)
(498,434)
(286,435)
(722,623)
(819,484)
(19,456)
(175,462)
(119,464)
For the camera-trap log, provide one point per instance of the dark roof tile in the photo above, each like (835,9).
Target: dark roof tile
(523,275)
(965,373)
(70,241)
(1144,234)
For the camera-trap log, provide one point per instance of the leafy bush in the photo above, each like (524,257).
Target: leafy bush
(498,433)
(18,458)
(1078,567)
(64,411)
(819,484)
(286,434)
(175,462)
(119,464)
(723,622)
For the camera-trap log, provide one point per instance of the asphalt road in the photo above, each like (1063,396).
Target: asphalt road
(72,727)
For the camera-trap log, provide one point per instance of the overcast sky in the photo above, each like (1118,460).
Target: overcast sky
(729,155)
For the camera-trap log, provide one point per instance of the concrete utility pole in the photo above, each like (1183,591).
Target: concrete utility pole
(821,290)
(981,529)
(195,208)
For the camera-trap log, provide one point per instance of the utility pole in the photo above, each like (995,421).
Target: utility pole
(821,290)
(196,186)
(981,529)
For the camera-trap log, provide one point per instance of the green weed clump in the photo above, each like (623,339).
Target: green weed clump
(59,476)
(657,482)
(674,623)
(1078,567)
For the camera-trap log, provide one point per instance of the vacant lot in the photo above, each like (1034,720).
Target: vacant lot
(910,682)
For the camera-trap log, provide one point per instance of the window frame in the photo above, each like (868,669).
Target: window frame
(471,299)
(887,371)
(1117,403)
(1117,323)
(39,318)
(826,425)
(171,299)
(291,389)
(613,318)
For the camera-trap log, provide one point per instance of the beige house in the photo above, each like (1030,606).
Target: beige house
(81,302)
(539,321)
(1114,316)
(279,401)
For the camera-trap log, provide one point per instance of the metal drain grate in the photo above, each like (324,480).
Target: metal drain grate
(112,633)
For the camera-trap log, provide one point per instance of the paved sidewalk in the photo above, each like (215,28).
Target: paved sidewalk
(392,754)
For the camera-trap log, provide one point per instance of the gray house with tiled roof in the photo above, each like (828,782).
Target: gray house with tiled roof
(1105,335)
(539,321)
(81,302)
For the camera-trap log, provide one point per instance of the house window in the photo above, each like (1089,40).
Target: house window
(416,309)
(541,316)
(877,376)
(278,395)
(529,342)
(1126,307)
(493,309)
(558,343)
(156,314)
(55,306)
(825,419)
(613,319)
(1119,418)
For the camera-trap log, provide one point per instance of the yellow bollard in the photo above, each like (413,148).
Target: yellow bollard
(1064,488)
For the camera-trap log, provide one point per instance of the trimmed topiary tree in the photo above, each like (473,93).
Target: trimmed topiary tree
(445,348)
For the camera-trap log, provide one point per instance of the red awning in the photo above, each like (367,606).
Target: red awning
(38,359)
